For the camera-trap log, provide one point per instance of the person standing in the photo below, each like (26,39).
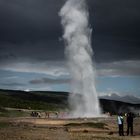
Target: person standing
(129,121)
(120,124)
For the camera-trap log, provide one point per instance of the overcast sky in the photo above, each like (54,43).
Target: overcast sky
(32,51)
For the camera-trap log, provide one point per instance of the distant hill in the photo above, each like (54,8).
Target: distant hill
(48,100)
(128,98)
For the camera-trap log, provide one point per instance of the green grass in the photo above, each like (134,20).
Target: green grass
(13,113)
(4,124)
(89,124)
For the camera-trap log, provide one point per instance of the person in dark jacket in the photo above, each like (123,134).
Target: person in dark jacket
(129,121)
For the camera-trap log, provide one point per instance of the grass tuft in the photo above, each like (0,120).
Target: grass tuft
(89,124)
(4,124)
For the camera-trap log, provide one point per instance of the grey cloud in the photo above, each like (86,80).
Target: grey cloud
(13,84)
(58,69)
(52,68)
(50,81)
(119,68)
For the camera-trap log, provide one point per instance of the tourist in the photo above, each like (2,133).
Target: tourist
(129,121)
(120,124)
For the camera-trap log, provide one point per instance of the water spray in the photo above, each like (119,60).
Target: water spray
(77,36)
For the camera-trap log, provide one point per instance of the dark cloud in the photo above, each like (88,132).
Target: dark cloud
(29,20)
(38,51)
(30,30)
(116,29)
(50,81)
(7,56)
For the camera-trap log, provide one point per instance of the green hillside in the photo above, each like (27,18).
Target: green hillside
(33,100)
(47,100)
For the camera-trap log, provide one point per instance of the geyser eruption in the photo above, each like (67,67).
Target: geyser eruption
(77,35)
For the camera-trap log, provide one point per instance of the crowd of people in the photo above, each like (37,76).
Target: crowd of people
(129,122)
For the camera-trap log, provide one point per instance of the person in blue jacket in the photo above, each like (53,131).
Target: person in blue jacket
(120,120)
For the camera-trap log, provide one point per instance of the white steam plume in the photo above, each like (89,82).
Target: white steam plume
(77,35)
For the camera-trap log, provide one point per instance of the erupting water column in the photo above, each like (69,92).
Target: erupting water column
(77,35)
